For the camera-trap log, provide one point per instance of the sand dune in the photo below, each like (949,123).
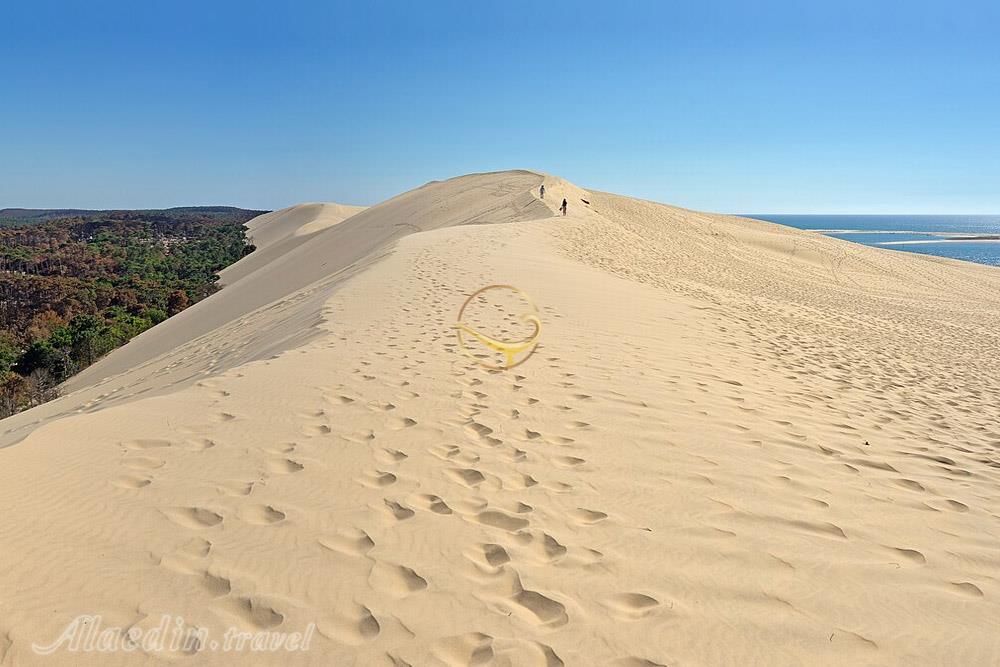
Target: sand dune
(737,443)
(278,233)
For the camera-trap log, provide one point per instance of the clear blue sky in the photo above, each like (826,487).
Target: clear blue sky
(812,106)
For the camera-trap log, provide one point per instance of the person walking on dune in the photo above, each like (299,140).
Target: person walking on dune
(563,207)
(541,191)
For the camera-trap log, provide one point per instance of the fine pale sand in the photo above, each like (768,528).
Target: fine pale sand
(737,443)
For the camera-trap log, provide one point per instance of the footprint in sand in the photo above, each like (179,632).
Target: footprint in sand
(199,445)
(568,461)
(360,437)
(283,466)
(466,650)
(132,481)
(483,432)
(314,430)
(910,485)
(631,606)
(195,518)
(956,506)
(235,488)
(251,612)
(633,661)
(430,502)
(965,588)
(514,455)
(541,547)
(911,555)
(147,443)
(497,519)
(349,541)
(196,548)
(354,624)
(445,452)
(377,479)
(399,423)
(587,517)
(469,477)
(188,559)
(521,481)
(398,511)
(397,581)
(515,507)
(216,586)
(487,557)
(557,487)
(536,608)
(261,515)
(454,454)
(386,455)
(143,463)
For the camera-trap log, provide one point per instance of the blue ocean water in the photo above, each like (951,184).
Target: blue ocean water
(899,232)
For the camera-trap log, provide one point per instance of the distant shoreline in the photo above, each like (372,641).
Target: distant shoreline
(948,239)
(943,237)
(969,238)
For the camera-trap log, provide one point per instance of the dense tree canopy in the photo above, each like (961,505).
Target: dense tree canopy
(73,289)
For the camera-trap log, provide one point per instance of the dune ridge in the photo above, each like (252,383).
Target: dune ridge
(279,232)
(736,443)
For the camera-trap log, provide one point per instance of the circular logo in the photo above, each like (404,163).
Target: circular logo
(504,311)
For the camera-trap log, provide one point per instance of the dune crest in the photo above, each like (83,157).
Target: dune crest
(736,443)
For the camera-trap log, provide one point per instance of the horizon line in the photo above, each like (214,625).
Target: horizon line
(268,209)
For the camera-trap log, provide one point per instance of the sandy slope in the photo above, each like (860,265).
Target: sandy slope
(280,232)
(263,311)
(737,444)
